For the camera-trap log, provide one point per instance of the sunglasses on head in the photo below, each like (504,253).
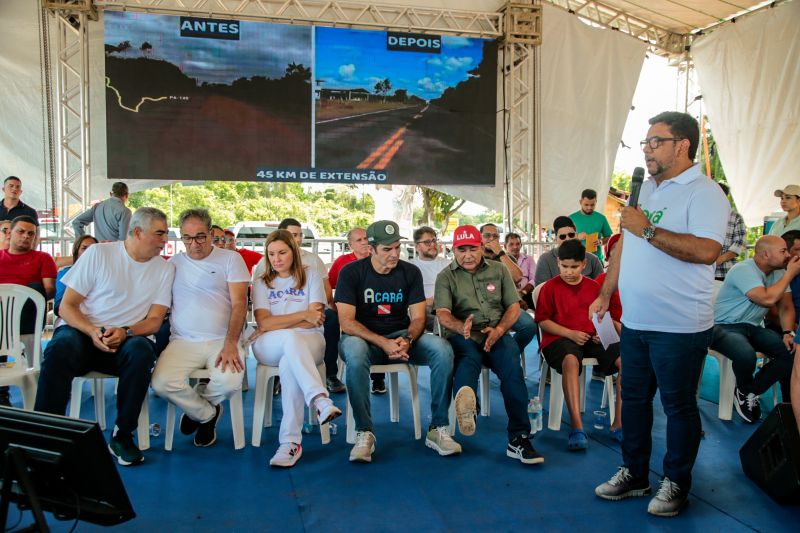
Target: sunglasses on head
(564,236)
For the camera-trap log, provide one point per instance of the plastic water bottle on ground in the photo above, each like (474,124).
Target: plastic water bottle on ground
(155,430)
(535,414)
(332,428)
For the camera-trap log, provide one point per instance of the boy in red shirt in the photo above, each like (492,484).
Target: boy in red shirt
(568,335)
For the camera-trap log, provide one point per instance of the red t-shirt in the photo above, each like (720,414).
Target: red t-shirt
(27,268)
(250,257)
(568,306)
(338,264)
(615,305)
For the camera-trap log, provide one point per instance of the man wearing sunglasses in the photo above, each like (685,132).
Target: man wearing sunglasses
(547,266)
(664,268)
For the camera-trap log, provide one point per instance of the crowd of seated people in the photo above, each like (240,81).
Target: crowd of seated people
(456,316)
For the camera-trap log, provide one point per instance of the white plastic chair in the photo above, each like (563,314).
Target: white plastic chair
(727,383)
(98,378)
(394,400)
(556,404)
(20,371)
(262,408)
(235,407)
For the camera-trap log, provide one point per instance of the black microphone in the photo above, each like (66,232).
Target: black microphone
(636,186)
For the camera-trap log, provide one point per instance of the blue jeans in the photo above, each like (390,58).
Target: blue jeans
(332,332)
(71,354)
(428,350)
(524,330)
(671,362)
(503,360)
(740,342)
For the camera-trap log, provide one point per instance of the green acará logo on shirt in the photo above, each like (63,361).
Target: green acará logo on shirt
(654,216)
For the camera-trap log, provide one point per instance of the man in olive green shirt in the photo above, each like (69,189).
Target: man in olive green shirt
(593,228)
(476,301)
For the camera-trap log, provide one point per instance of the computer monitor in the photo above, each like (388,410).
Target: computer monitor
(61,465)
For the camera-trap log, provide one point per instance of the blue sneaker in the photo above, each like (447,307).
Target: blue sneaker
(577,440)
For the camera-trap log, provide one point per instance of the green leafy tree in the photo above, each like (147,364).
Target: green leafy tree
(437,208)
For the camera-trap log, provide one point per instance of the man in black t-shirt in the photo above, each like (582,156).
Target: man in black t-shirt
(381,304)
(11,206)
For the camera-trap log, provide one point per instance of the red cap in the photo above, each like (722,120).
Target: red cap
(466,236)
(611,242)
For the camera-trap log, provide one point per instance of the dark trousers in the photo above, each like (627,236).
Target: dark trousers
(332,333)
(71,354)
(503,360)
(740,342)
(670,362)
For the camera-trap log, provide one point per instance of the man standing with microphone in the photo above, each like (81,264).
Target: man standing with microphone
(665,271)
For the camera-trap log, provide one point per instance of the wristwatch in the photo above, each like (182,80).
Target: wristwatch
(128,331)
(649,232)
(788,332)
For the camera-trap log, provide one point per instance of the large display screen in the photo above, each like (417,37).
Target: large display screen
(210,99)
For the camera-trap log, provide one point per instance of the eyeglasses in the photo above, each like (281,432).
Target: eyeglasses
(428,242)
(564,236)
(655,142)
(5,230)
(490,235)
(199,239)
(219,239)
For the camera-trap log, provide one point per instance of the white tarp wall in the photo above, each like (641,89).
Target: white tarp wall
(749,73)
(588,78)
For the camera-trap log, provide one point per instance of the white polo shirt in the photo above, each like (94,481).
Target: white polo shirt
(658,291)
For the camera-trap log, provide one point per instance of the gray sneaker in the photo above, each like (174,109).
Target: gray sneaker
(466,411)
(440,440)
(364,447)
(669,500)
(622,485)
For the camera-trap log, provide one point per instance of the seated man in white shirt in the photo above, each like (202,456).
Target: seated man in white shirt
(116,297)
(209,304)
(430,263)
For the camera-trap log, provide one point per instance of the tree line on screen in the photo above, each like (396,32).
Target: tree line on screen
(290,93)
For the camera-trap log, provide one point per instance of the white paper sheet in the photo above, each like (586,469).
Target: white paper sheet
(605,330)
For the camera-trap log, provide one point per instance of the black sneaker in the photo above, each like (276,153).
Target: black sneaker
(520,447)
(124,449)
(207,432)
(379,386)
(623,485)
(5,397)
(335,385)
(747,406)
(187,425)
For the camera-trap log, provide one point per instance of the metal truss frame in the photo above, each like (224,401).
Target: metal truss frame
(518,25)
(327,13)
(662,42)
(72,108)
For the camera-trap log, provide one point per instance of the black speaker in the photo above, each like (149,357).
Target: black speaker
(771,456)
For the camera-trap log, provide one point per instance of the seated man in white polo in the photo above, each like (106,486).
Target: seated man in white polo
(209,304)
(749,290)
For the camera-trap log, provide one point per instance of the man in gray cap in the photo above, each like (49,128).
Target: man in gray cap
(111,217)
(381,304)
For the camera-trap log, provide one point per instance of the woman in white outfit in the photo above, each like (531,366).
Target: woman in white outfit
(289,302)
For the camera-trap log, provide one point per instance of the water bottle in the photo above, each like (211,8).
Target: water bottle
(540,415)
(332,428)
(534,414)
(155,430)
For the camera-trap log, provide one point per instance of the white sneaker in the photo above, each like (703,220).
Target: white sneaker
(364,447)
(440,440)
(669,500)
(328,413)
(466,411)
(287,455)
